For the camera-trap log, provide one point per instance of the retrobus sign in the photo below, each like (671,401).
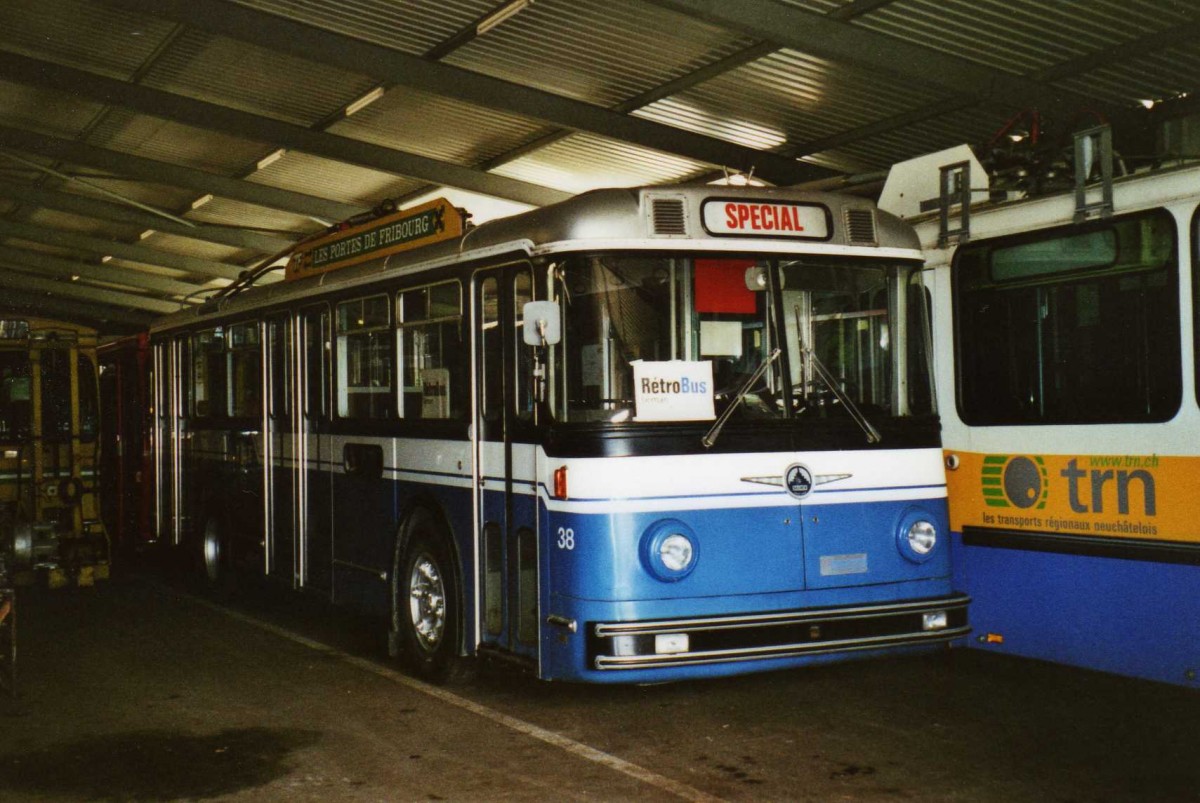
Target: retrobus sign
(759,218)
(421,225)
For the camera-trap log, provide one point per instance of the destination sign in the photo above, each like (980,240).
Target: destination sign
(728,216)
(419,226)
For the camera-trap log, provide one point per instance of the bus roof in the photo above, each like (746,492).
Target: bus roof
(664,218)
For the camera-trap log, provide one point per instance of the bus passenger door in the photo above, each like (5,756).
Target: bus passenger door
(279,451)
(313,467)
(506,477)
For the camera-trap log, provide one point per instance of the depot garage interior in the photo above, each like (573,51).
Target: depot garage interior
(581,400)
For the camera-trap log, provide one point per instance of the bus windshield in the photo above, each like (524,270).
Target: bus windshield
(16,398)
(700,328)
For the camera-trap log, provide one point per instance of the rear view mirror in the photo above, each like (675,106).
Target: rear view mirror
(543,323)
(756,278)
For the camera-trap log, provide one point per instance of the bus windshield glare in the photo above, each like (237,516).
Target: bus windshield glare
(862,321)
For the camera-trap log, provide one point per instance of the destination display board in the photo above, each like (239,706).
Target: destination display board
(407,229)
(745,217)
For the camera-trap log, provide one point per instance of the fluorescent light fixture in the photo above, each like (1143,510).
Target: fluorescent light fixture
(106,259)
(146,234)
(202,200)
(365,101)
(501,14)
(270,159)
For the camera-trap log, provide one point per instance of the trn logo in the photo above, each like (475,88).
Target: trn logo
(1019,481)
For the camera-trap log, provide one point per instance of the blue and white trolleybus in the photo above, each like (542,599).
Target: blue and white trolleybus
(641,435)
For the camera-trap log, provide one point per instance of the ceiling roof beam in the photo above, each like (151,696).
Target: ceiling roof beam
(115,213)
(90,313)
(857,8)
(394,67)
(24,281)
(66,268)
(132,253)
(238,123)
(817,34)
(96,188)
(139,167)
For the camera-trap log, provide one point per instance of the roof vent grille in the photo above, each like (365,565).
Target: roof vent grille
(668,217)
(860,227)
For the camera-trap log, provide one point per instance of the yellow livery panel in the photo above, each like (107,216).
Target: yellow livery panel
(1146,497)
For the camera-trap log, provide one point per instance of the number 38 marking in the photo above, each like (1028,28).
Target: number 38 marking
(566,538)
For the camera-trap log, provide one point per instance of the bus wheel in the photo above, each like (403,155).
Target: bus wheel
(215,558)
(426,605)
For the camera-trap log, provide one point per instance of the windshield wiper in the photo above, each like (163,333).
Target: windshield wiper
(835,387)
(715,431)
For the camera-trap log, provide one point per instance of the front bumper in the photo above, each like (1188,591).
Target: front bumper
(757,637)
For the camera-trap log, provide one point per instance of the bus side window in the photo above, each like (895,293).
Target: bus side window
(245,371)
(364,359)
(89,404)
(208,374)
(15,396)
(278,330)
(1066,326)
(55,394)
(522,294)
(492,351)
(315,325)
(434,358)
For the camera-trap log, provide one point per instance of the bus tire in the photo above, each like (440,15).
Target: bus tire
(426,630)
(216,557)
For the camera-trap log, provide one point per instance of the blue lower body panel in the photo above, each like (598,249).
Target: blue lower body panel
(1129,617)
(768,588)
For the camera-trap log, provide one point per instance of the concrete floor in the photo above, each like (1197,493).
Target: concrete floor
(139,690)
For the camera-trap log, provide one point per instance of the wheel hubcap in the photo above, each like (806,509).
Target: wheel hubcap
(427,602)
(212,552)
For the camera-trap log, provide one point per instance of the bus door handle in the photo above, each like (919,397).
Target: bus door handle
(363,460)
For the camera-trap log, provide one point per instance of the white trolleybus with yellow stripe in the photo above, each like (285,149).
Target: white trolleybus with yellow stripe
(641,435)
(1066,329)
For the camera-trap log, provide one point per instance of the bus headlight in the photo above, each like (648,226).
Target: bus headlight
(676,552)
(917,537)
(669,550)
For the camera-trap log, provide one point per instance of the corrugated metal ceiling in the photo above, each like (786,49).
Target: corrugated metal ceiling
(599,51)
(440,128)
(239,75)
(582,162)
(82,34)
(1024,36)
(331,179)
(291,113)
(413,26)
(162,140)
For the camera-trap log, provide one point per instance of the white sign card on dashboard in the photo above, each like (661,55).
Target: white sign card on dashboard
(675,390)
